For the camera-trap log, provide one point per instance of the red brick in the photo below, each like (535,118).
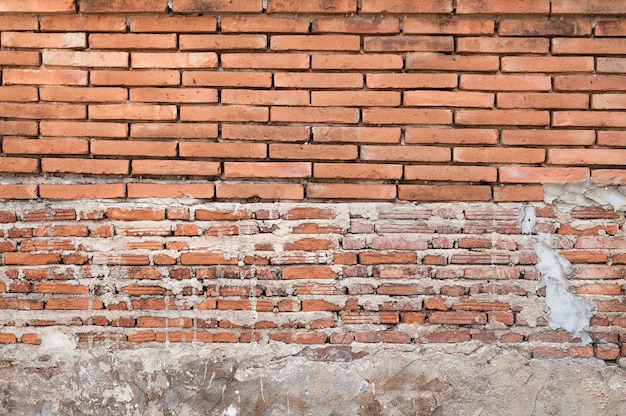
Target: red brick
(353,24)
(447,25)
(406,6)
(408,44)
(218,6)
(174,95)
(498,117)
(173,60)
(460,136)
(542,175)
(435,98)
(18,165)
(356,98)
(223,150)
(199,191)
(588,118)
(314,114)
(114,6)
(7,338)
(609,176)
(318,81)
(83,24)
(505,82)
(350,191)
(586,157)
(357,171)
(426,61)
(497,155)
(90,94)
(9,22)
(542,100)
(503,7)
(327,134)
(587,7)
(18,94)
(175,167)
(142,214)
(547,64)
(20,304)
(134,78)
(228,79)
(530,27)
(46,146)
(130,41)
(18,191)
(270,191)
(406,116)
(502,45)
(82,129)
(445,337)
(267,170)
(264,24)
(99,191)
(86,166)
(610,28)
(85,59)
(44,77)
(60,288)
(173,130)
(608,101)
(222,42)
(450,173)
(35,6)
(406,153)
(31,259)
(265,97)
(595,46)
(411,81)
(602,83)
(43,40)
(132,112)
(352,62)
(224,113)
(206,258)
(313,152)
(457,318)
(295,6)
(31,339)
(266,133)
(444,193)
(265,61)
(133,148)
(19,58)
(547,137)
(169,24)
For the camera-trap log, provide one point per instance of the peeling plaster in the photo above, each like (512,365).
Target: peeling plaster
(567,196)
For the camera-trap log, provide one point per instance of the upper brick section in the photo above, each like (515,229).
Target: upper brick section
(322,99)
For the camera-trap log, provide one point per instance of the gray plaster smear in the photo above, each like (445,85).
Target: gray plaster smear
(567,196)
(279,380)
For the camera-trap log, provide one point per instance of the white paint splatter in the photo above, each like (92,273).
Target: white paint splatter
(231,411)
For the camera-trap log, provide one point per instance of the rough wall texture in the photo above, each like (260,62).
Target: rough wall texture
(427,194)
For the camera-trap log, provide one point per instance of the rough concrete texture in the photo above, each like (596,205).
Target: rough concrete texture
(273,380)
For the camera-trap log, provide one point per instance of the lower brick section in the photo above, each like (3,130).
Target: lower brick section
(304,273)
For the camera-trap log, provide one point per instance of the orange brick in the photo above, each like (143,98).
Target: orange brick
(542,100)
(44,76)
(497,155)
(610,28)
(542,175)
(9,22)
(218,6)
(222,42)
(314,115)
(43,40)
(99,191)
(223,113)
(135,77)
(326,134)
(312,152)
(223,150)
(548,137)
(353,24)
(175,167)
(173,60)
(461,136)
(18,128)
(173,130)
(266,133)
(169,24)
(352,62)
(265,97)
(86,166)
(447,25)
(587,7)
(357,171)
(295,6)
(609,176)
(265,24)
(411,81)
(350,191)
(18,165)
(228,79)
(173,95)
(19,58)
(7,338)
(586,157)
(406,6)
(177,190)
(547,64)
(315,43)
(312,80)
(73,304)
(518,193)
(408,44)
(31,259)
(505,82)
(83,24)
(406,153)
(90,94)
(269,191)
(132,112)
(141,214)
(82,129)
(502,45)
(267,170)
(46,146)
(114,6)
(85,59)
(426,61)
(589,118)
(435,98)
(450,173)
(406,116)
(498,117)
(457,318)
(308,272)
(608,101)
(18,94)
(31,339)
(130,41)
(530,27)
(18,191)
(133,148)
(355,99)
(265,61)
(444,193)
(590,83)
(595,46)
(35,6)
(60,288)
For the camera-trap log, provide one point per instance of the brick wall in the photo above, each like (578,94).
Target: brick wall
(307,171)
